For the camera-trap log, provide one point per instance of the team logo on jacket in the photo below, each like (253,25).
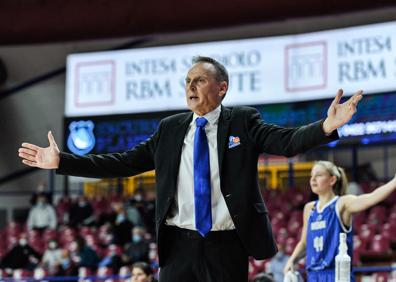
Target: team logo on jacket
(233,142)
(81,139)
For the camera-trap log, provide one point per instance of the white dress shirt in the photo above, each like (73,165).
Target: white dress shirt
(42,216)
(183,211)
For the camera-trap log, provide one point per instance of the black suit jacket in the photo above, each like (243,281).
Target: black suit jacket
(237,167)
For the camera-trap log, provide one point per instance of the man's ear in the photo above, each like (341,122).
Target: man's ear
(223,87)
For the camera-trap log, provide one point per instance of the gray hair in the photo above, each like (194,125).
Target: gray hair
(221,71)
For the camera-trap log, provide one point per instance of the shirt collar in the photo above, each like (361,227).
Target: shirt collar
(212,117)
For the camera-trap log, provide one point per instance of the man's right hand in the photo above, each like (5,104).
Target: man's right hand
(36,156)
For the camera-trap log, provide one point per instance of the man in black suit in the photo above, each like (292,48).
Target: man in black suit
(238,218)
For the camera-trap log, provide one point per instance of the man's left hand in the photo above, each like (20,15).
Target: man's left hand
(339,114)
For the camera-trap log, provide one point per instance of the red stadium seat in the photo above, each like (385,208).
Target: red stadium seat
(3,273)
(39,273)
(13,229)
(50,234)
(358,220)
(100,205)
(378,250)
(84,272)
(359,246)
(294,226)
(381,277)
(104,271)
(19,274)
(37,244)
(392,217)
(390,201)
(256,266)
(297,215)
(389,231)
(366,232)
(377,215)
(125,274)
(33,234)
(380,244)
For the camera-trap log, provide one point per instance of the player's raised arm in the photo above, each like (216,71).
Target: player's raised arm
(354,204)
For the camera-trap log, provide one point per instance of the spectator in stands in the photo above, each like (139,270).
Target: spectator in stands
(133,213)
(81,212)
(143,202)
(82,255)
(102,209)
(278,262)
(67,267)
(329,216)
(112,259)
(138,249)
(22,255)
(42,215)
(63,209)
(142,272)
(41,189)
(122,226)
(264,277)
(228,168)
(52,258)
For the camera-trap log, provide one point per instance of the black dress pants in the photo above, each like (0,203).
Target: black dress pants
(217,257)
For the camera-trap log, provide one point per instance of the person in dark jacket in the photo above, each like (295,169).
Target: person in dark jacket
(210,215)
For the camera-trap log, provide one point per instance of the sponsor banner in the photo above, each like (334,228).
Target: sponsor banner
(262,71)
(374,122)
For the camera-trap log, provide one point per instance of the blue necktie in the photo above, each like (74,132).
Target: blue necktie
(202,199)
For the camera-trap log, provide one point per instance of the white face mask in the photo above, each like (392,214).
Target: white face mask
(82,204)
(52,245)
(22,242)
(73,247)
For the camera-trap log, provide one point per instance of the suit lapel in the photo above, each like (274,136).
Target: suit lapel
(222,132)
(179,135)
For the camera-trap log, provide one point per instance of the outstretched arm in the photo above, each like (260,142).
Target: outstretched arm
(299,250)
(36,156)
(137,160)
(339,114)
(354,204)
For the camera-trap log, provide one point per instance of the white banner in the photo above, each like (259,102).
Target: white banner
(265,70)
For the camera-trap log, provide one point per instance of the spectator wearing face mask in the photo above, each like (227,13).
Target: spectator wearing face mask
(42,215)
(52,258)
(81,212)
(138,248)
(21,256)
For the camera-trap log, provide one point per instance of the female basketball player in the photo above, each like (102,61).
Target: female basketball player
(327,217)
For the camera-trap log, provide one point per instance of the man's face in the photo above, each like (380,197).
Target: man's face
(203,92)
